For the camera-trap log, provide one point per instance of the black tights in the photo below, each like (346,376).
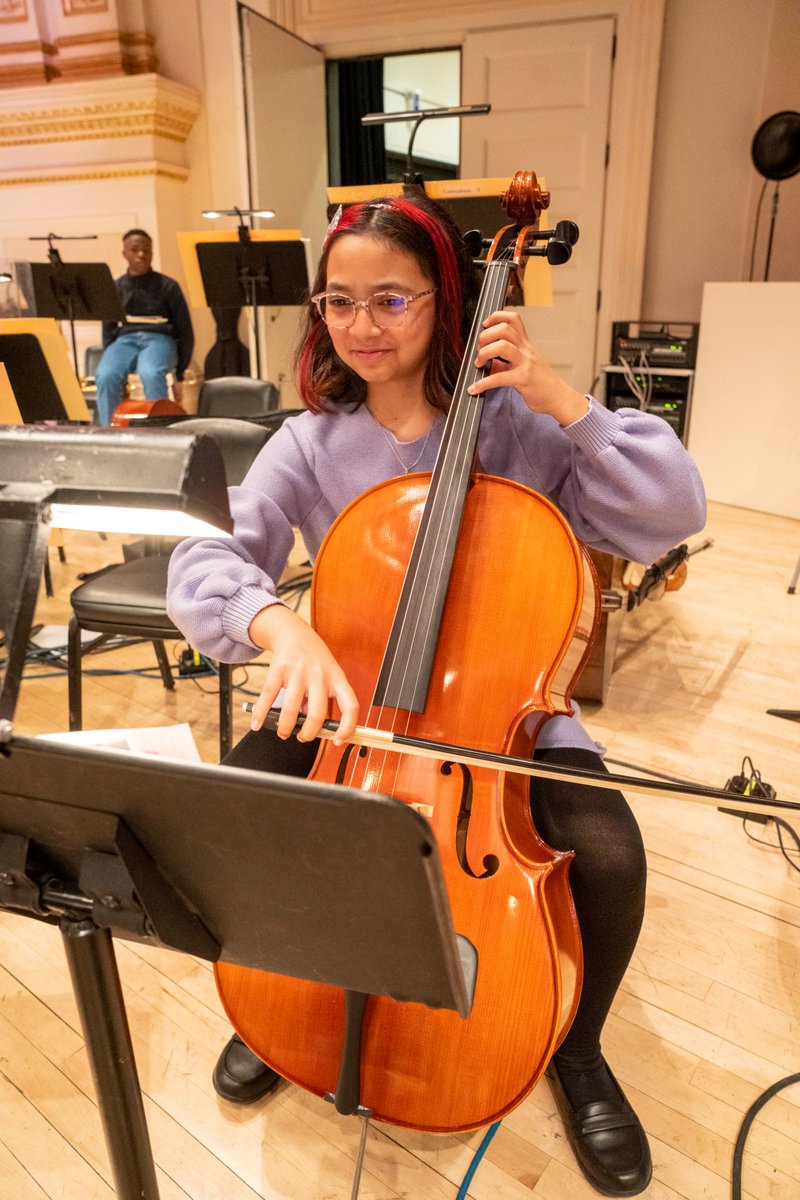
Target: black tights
(607,878)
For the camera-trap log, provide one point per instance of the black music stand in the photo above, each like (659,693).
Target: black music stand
(314,881)
(279,874)
(254,274)
(70,292)
(31,379)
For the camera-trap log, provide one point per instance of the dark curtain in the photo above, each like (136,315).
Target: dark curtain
(362,155)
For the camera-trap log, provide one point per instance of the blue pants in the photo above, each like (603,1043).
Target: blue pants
(150,355)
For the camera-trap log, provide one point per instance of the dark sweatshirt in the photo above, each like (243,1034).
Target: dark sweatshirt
(153,295)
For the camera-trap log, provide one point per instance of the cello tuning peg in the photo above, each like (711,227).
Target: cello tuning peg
(473,240)
(558,252)
(567,231)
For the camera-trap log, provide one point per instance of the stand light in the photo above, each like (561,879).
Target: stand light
(418,116)
(86,477)
(241,213)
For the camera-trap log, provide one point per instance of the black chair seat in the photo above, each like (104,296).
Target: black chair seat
(130,598)
(130,594)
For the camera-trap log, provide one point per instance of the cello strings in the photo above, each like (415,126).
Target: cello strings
(438,532)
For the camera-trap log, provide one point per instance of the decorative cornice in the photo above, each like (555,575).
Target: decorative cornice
(145,106)
(95,66)
(89,38)
(18,75)
(27,47)
(137,170)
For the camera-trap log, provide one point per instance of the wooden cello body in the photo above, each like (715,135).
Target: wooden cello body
(514,607)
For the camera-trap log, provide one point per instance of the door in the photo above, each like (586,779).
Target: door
(549,86)
(284,80)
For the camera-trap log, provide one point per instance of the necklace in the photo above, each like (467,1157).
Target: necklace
(391,443)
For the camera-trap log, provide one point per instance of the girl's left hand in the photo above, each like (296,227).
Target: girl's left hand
(517,363)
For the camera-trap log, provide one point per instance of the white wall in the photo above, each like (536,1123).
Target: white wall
(725,66)
(745,427)
(436,79)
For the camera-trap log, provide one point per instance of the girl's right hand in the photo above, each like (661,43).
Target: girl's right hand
(303,665)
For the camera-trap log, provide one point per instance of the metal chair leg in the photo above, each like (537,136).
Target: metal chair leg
(163,665)
(74,681)
(225,709)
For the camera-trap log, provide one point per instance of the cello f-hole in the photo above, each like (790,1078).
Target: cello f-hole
(345,759)
(491,863)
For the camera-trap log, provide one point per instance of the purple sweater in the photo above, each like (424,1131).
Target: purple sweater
(622,480)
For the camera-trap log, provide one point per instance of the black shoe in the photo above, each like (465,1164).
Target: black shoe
(241,1076)
(608,1140)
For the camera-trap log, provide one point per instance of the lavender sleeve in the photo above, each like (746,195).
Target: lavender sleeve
(622,479)
(216,587)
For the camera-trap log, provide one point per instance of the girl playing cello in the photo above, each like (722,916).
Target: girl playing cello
(380,353)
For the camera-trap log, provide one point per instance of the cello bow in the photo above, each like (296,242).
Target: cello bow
(382,739)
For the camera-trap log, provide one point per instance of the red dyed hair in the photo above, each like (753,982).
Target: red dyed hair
(417,226)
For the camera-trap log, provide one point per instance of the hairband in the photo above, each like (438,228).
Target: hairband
(335,219)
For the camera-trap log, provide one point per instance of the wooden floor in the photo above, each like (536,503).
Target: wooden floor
(708,1015)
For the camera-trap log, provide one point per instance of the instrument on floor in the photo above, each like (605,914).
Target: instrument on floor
(667,574)
(452,609)
(623,586)
(129,412)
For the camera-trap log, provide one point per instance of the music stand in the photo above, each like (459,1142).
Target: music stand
(41,376)
(253,274)
(254,869)
(30,378)
(70,292)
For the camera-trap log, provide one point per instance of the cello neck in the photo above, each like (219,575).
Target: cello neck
(405,672)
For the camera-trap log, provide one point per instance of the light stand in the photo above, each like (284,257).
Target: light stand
(249,280)
(775,152)
(789,714)
(411,178)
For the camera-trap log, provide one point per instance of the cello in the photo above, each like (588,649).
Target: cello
(129,412)
(417,551)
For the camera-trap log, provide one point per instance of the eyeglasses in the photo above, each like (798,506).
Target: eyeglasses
(385,309)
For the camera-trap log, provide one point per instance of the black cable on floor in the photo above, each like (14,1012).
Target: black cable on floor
(744,1129)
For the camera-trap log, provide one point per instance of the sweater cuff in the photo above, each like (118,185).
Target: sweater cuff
(240,610)
(596,430)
